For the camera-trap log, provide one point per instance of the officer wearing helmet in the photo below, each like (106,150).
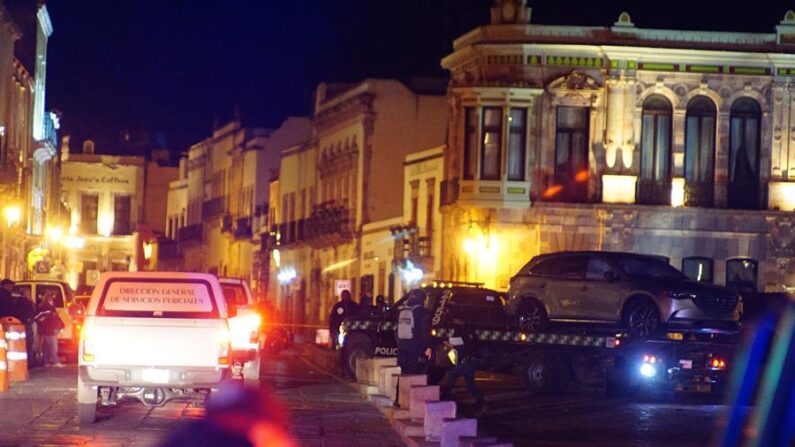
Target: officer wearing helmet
(414,334)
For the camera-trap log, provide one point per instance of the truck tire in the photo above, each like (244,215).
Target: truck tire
(86,409)
(86,413)
(541,373)
(356,347)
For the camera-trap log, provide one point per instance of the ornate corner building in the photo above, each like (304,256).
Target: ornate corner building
(666,142)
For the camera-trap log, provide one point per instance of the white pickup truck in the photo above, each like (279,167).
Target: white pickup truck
(152,336)
(245,327)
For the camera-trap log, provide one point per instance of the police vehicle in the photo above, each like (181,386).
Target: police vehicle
(449,303)
(549,361)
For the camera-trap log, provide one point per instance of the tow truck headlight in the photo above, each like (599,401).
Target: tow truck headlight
(648,370)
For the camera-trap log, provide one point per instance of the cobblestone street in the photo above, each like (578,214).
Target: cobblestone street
(324,412)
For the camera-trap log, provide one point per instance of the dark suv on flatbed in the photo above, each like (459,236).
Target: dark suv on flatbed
(639,292)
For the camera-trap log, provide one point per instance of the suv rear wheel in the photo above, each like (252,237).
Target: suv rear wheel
(531,316)
(641,318)
(356,347)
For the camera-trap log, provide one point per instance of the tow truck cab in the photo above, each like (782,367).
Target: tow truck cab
(449,303)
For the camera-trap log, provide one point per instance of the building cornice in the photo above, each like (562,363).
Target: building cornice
(44,20)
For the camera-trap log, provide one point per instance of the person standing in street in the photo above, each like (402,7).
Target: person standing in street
(344,308)
(49,325)
(414,334)
(381,307)
(6,299)
(467,346)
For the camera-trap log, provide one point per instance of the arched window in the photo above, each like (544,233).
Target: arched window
(654,186)
(700,152)
(744,154)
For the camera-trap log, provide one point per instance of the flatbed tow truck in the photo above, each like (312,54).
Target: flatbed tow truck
(551,361)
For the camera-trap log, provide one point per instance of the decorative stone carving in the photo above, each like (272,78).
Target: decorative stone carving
(574,81)
(781,237)
(510,12)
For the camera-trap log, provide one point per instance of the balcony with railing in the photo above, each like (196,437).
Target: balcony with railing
(243,228)
(329,222)
(213,207)
(190,233)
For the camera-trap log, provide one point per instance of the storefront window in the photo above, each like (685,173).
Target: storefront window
(121,215)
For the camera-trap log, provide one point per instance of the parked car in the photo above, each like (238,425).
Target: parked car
(152,336)
(35,290)
(638,292)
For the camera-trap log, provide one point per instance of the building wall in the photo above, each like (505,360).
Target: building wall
(156,187)
(87,253)
(493,225)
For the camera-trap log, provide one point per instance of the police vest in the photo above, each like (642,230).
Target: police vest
(405,329)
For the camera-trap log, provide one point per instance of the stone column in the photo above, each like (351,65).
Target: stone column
(616,118)
(628,135)
(780,131)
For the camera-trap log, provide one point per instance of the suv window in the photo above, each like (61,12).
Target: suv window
(43,290)
(570,266)
(637,266)
(480,308)
(597,267)
(24,291)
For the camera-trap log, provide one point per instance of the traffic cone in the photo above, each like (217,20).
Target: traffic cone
(16,351)
(3,361)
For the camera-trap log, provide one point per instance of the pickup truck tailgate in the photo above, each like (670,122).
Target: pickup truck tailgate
(155,341)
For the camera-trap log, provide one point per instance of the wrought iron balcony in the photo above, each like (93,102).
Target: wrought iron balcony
(328,219)
(409,246)
(654,192)
(744,195)
(190,233)
(699,194)
(213,207)
(243,228)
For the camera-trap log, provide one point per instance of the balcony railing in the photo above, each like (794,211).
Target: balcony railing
(243,228)
(654,192)
(213,207)
(330,218)
(699,194)
(190,233)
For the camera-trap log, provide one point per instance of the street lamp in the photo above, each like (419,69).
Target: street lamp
(13,215)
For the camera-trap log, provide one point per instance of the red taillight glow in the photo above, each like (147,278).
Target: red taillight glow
(717,363)
(649,359)
(87,339)
(224,348)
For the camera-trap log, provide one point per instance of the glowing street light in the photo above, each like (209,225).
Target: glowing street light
(13,215)
(54,233)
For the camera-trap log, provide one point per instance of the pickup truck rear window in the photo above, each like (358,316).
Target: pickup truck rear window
(157,298)
(235,294)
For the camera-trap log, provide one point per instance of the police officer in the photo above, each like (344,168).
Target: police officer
(345,308)
(414,334)
(467,346)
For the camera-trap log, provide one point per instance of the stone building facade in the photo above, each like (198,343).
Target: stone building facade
(673,143)
(345,184)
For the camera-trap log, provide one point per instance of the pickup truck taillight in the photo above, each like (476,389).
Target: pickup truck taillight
(87,339)
(224,344)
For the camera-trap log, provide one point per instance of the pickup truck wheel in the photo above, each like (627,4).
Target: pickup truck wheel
(531,316)
(541,373)
(355,348)
(86,403)
(87,413)
(641,318)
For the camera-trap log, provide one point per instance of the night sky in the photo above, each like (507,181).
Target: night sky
(172,67)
